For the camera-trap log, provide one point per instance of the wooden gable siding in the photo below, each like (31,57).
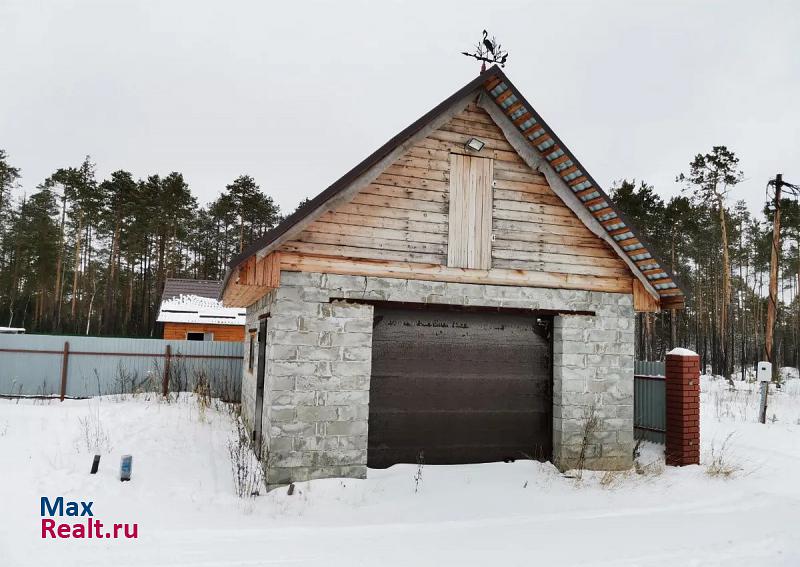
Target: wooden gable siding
(228,333)
(400,222)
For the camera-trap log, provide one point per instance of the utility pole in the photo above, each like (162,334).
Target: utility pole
(773,274)
(772,306)
(769,371)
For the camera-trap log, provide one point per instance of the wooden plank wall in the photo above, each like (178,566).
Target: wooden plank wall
(401,221)
(469,240)
(252,279)
(177,331)
(642,300)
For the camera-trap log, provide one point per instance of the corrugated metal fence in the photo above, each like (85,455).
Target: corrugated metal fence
(649,400)
(48,365)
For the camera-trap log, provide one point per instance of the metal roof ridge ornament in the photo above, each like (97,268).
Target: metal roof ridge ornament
(488,51)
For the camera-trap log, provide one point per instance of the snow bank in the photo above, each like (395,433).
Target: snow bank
(713,383)
(182,497)
(791,387)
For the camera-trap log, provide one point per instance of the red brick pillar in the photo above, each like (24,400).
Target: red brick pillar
(683,408)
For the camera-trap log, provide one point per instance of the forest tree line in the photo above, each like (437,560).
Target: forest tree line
(88,256)
(719,252)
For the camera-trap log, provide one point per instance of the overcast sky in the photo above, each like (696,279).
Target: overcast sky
(296,93)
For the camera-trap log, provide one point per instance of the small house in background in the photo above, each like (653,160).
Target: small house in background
(190,311)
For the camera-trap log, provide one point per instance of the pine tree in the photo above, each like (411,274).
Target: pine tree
(36,235)
(711,176)
(121,196)
(9,178)
(254,210)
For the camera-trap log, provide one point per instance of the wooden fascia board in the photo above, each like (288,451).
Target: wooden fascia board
(252,278)
(643,302)
(594,186)
(537,162)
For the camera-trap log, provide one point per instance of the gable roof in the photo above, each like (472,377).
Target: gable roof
(196,301)
(542,140)
(175,287)
(200,310)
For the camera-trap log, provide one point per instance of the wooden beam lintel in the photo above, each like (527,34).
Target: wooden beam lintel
(296,262)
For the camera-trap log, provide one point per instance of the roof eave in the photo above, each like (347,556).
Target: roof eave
(499,72)
(263,243)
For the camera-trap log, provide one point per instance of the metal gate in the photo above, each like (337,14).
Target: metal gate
(456,386)
(649,401)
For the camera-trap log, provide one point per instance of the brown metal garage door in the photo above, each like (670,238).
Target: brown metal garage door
(459,386)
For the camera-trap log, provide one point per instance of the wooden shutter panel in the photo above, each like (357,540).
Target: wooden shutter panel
(469,243)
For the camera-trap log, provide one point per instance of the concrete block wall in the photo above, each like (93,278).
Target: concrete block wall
(593,387)
(318,367)
(248,405)
(316,389)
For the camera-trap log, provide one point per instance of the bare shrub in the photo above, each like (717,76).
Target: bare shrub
(92,433)
(636,450)
(226,387)
(18,388)
(155,378)
(418,474)
(248,474)
(178,373)
(178,380)
(233,410)
(733,404)
(202,392)
(608,478)
(721,463)
(536,454)
(150,387)
(128,382)
(646,470)
(591,424)
(613,479)
(43,394)
(653,468)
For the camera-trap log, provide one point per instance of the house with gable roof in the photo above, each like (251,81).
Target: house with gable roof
(467,293)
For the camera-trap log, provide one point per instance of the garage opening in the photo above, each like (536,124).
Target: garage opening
(459,386)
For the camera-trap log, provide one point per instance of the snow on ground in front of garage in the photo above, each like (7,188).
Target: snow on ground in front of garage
(524,513)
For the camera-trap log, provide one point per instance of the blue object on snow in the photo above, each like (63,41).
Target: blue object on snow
(125,467)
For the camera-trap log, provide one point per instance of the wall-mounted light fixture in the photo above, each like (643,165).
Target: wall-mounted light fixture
(474,144)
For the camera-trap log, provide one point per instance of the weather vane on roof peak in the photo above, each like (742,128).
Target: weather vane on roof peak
(488,51)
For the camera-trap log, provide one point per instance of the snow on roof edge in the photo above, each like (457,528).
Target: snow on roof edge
(198,309)
(682,352)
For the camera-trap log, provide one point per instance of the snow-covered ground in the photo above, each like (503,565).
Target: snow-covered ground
(524,513)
